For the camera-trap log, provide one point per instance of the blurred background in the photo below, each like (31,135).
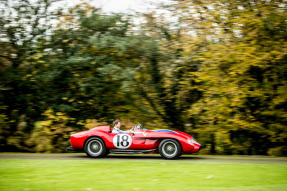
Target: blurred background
(216,69)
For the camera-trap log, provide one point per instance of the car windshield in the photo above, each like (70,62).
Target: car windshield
(138,126)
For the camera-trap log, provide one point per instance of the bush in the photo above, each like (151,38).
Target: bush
(51,135)
(278,151)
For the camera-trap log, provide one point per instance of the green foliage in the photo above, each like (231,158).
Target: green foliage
(24,24)
(278,151)
(52,134)
(214,73)
(4,124)
(243,73)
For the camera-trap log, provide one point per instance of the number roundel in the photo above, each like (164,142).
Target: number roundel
(122,141)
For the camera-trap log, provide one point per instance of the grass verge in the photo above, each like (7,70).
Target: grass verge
(123,175)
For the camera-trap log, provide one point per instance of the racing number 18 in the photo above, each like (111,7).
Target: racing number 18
(122,140)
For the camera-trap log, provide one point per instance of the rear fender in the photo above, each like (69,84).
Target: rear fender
(102,135)
(78,140)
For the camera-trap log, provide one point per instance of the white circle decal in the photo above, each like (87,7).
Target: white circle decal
(122,141)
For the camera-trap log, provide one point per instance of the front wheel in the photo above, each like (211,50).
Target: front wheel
(170,149)
(95,147)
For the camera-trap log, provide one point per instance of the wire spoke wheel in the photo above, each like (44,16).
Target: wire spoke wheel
(169,149)
(95,147)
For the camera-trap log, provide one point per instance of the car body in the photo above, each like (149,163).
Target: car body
(100,141)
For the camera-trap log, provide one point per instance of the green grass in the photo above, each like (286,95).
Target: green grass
(23,174)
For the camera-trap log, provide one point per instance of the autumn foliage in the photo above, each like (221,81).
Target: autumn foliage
(217,70)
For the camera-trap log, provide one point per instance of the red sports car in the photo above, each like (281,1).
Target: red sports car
(100,141)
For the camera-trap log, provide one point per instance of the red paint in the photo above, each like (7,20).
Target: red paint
(148,139)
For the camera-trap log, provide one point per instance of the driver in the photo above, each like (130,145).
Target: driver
(117,126)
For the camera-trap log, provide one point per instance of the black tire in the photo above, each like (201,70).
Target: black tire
(170,149)
(95,147)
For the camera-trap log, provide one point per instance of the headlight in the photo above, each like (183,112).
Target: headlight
(191,141)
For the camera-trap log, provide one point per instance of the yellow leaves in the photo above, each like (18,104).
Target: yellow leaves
(94,49)
(45,123)
(239,122)
(54,118)
(282,95)
(59,114)
(76,75)
(71,100)
(37,56)
(51,134)
(72,86)
(28,75)
(71,45)
(90,102)
(91,123)
(81,123)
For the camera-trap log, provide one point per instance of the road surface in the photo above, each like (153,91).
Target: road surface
(191,158)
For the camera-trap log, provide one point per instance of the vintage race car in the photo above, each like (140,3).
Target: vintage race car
(100,141)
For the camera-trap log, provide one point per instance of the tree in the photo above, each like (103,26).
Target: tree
(242,72)
(23,24)
(165,79)
(81,70)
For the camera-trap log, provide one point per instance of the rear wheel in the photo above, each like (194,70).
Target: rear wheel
(170,149)
(95,147)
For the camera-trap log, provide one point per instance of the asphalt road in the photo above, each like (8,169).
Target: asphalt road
(191,158)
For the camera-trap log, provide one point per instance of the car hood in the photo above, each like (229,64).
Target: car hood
(164,131)
(171,131)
